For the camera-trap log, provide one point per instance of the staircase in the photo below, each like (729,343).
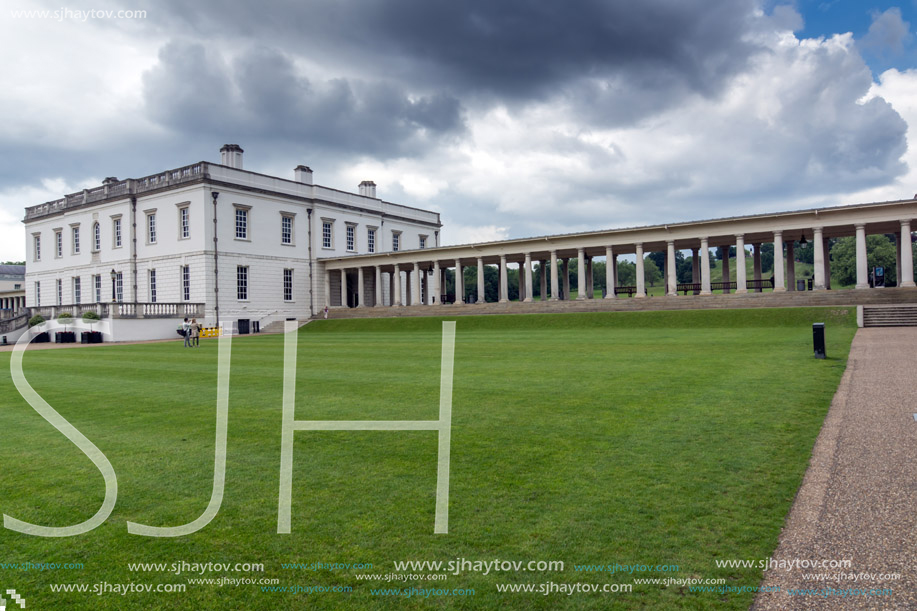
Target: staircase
(278,325)
(890,316)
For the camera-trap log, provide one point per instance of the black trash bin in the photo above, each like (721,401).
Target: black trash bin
(818,339)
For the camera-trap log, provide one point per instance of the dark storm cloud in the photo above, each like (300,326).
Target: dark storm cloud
(261,95)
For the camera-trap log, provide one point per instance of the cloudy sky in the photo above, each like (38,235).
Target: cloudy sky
(511,118)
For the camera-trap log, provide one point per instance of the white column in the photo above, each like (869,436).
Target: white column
(415,286)
(906,274)
(327,289)
(528,277)
(396,279)
(504,292)
(590,276)
(756,265)
(554,293)
(566,268)
(790,266)
(482,296)
(343,288)
(580,274)
(544,279)
(378,301)
(521,283)
(641,278)
(741,275)
(459,282)
(704,267)
(671,279)
(818,260)
(862,266)
(779,282)
(361,290)
(610,265)
(437,286)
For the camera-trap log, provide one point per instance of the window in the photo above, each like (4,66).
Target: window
(117,232)
(286,229)
(60,292)
(76,240)
(184,223)
(371,240)
(152,286)
(151,228)
(327,234)
(186,282)
(423,241)
(37,244)
(351,241)
(396,240)
(96,238)
(242,282)
(241,223)
(76,290)
(17,287)
(59,241)
(288,285)
(38,294)
(119,287)
(97,282)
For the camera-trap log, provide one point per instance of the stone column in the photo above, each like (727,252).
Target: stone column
(415,286)
(504,290)
(610,264)
(391,288)
(361,289)
(343,288)
(862,266)
(779,283)
(819,260)
(544,280)
(827,252)
(590,279)
(741,274)
(521,283)
(327,289)
(756,263)
(704,267)
(580,274)
(566,268)
(641,276)
(898,256)
(396,279)
(459,282)
(528,278)
(791,265)
(906,275)
(408,291)
(482,297)
(671,279)
(378,301)
(437,286)
(554,293)
(727,276)
(695,266)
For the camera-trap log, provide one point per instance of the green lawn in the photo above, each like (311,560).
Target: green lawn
(655,438)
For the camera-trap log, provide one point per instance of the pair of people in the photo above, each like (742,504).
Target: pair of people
(192,333)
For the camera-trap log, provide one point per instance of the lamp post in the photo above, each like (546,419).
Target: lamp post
(114,277)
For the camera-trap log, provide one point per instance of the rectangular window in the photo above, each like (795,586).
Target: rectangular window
(371,240)
(77,297)
(351,241)
(423,241)
(117,233)
(186,282)
(59,238)
(152,286)
(241,224)
(326,234)
(76,240)
(119,287)
(396,241)
(151,228)
(97,282)
(286,230)
(38,294)
(60,292)
(184,220)
(241,282)
(37,244)
(288,285)
(96,237)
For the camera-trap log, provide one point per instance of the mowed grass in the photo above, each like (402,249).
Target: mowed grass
(651,438)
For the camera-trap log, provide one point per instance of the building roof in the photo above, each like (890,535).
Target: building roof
(13,270)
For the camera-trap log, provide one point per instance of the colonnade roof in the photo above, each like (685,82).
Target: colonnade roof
(837,221)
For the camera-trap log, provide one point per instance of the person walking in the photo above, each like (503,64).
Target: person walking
(195,332)
(326,311)
(186,331)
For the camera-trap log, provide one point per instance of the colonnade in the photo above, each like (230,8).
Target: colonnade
(12,304)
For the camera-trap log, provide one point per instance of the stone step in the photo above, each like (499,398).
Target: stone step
(904,315)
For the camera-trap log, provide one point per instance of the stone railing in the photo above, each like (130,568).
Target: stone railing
(8,325)
(130,186)
(124,310)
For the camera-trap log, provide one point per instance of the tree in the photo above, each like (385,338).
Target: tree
(880,252)
(627,273)
(13,263)
(651,272)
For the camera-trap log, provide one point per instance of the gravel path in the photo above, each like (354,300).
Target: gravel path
(858,500)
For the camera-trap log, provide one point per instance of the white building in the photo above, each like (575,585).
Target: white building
(12,291)
(208,240)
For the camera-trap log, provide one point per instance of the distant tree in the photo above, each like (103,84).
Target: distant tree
(880,252)
(13,263)
(627,273)
(651,272)
(719,253)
